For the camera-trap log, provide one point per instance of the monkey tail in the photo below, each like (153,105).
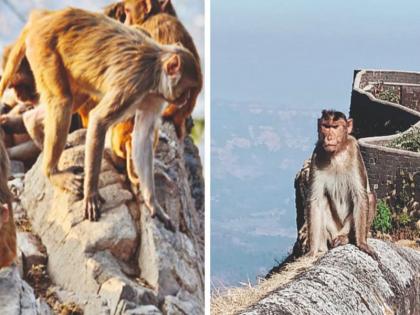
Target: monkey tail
(13,62)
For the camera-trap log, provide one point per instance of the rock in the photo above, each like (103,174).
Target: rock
(181,304)
(17,297)
(168,261)
(301,194)
(418,225)
(17,167)
(33,253)
(347,281)
(98,262)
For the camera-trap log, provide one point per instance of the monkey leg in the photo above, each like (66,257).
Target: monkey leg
(12,123)
(34,124)
(24,152)
(372,210)
(51,80)
(58,117)
(361,209)
(131,173)
(342,236)
(144,127)
(100,119)
(317,227)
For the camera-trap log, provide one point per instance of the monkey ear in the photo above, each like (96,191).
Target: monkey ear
(5,213)
(349,125)
(172,66)
(163,4)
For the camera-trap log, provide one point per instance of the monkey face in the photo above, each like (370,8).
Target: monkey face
(137,11)
(181,77)
(333,134)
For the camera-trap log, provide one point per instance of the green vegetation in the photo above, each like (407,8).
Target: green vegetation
(398,212)
(409,140)
(383,219)
(404,219)
(389,95)
(198,131)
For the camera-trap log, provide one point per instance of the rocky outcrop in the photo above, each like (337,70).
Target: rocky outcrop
(347,281)
(127,262)
(17,297)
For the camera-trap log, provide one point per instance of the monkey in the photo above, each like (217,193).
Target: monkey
(72,51)
(115,11)
(341,206)
(158,18)
(23,81)
(7,225)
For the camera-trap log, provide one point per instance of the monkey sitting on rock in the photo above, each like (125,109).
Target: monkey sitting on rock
(341,206)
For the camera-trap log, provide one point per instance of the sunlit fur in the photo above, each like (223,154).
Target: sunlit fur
(73,52)
(164,27)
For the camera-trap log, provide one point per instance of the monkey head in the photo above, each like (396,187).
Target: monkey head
(23,82)
(333,129)
(180,76)
(138,11)
(115,11)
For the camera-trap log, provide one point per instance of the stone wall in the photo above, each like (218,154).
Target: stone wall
(375,117)
(384,164)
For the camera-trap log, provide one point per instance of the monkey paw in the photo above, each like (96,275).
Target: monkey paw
(69,180)
(340,241)
(368,250)
(92,206)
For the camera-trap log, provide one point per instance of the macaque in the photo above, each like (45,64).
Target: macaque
(7,225)
(73,51)
(158,18)
(115,11)
(23,81)
(341,205)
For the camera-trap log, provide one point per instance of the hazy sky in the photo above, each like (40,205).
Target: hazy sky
(303,53)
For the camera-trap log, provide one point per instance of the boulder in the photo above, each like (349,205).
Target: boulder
(347,281)
(126,258)
(17,297)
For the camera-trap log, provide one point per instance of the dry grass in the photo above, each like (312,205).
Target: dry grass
(230,301)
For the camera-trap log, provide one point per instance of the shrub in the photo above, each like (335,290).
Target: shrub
(409,141)
(383,219)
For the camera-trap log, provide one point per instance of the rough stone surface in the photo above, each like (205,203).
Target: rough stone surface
(17,297)
(347,281)
(33,253)
(126,259)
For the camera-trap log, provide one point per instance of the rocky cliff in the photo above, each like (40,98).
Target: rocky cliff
(347,281)
(127,262)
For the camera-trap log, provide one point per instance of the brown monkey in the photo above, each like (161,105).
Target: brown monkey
(158,18)
(23,81)
(7,225)
(74,50)
(115,11)
(341,206)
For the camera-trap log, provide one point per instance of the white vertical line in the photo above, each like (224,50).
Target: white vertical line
(207,146)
